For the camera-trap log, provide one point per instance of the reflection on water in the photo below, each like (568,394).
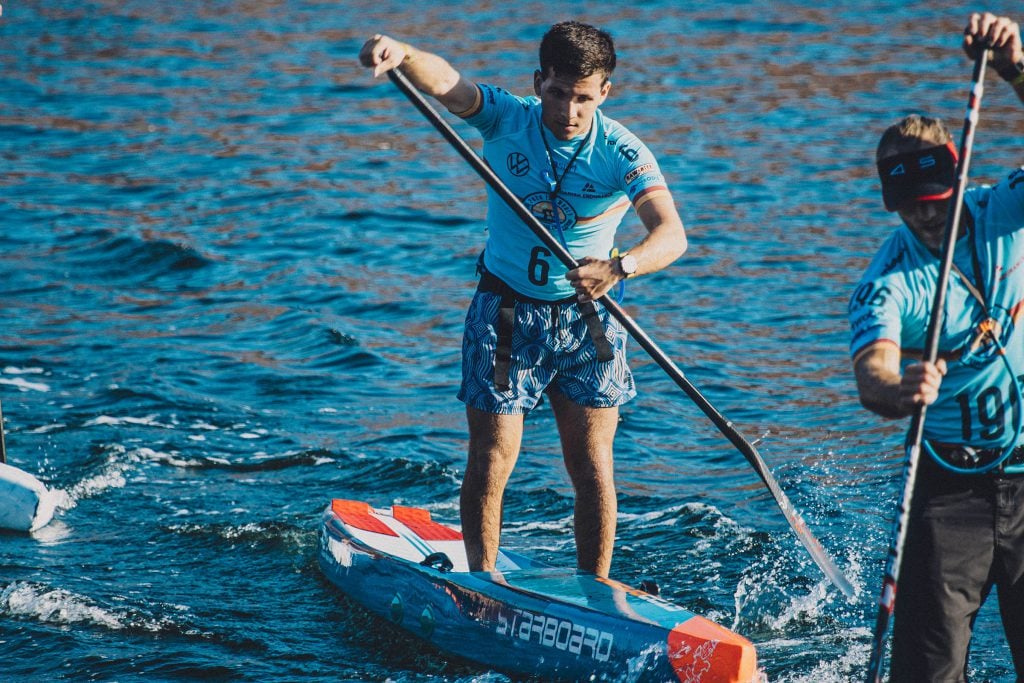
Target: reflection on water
(234,277)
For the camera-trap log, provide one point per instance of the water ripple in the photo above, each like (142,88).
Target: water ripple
(235,272)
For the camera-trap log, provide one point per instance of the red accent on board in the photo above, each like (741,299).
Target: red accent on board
(360,516)
(701,650)
(418,520)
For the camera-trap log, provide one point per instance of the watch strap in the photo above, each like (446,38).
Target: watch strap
(627,264)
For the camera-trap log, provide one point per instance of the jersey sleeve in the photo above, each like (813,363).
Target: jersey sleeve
(1004,203)
(875,314)
(499,109)
(640,176)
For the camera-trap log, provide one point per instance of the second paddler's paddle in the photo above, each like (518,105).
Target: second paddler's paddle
(3,447)
(562,254)
(915,437)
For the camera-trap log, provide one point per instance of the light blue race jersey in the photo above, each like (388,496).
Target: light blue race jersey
(892,304)
(612,170)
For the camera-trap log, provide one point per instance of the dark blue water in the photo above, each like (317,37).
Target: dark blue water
(233,271)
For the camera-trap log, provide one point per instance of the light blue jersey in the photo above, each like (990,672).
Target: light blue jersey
(612,170)
(892,304)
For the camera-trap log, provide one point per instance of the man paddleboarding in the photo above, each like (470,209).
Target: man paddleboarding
(965,533)
(534,327)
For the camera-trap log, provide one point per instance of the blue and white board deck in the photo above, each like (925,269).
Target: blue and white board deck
(526,617)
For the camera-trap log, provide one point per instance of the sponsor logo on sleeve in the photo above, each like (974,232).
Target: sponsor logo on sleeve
(637,172)
(895,262)
(1016,178)
(863,323)
(869,294)
(651,177)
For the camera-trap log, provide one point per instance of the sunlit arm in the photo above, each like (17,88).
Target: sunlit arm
(883,390)
(877,370)
(664,243)
(666,237)
(430,73)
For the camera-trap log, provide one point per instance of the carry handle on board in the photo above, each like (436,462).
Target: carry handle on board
(439,561)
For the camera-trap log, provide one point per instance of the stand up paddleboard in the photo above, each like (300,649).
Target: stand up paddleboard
(525,617)
(25,503)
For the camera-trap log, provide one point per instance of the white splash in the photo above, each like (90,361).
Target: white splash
(846,667)
(39,602)
(670,515)
(112,474)
(11,370)
(148,421)
(47,428)
(25,385)
(54,606)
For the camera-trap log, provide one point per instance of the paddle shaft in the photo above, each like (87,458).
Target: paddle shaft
(915,438)
(562,254)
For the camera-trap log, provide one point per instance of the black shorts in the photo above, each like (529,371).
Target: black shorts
(966,535)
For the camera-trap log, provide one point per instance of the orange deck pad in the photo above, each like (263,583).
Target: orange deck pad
(701,650)
(360,516)
(419,521)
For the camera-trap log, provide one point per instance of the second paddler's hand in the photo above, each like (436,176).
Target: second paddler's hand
(594,277)
(999,34)
(920,384)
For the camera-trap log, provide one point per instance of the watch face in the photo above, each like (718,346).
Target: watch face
(628,263)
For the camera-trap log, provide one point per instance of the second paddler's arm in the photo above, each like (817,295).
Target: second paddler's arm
(887,392)
(430,73)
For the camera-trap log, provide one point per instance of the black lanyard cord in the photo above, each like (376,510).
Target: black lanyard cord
(555,181)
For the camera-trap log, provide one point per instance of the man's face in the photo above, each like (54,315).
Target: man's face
(927,220)
(568,105)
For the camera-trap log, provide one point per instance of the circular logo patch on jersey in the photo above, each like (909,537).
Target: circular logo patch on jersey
(981,347)
(517,163)
(539,204)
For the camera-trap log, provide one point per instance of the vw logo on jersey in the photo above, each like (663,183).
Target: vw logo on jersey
(517,163)
(539,204)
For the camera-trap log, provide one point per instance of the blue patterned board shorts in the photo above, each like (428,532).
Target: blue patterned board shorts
(550,345)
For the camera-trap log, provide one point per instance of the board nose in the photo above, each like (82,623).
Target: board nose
(701,650)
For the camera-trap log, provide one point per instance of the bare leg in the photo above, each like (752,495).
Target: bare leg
(493,449)
(587,435)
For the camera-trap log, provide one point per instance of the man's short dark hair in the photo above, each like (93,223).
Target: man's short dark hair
(912,133)
(572,49)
